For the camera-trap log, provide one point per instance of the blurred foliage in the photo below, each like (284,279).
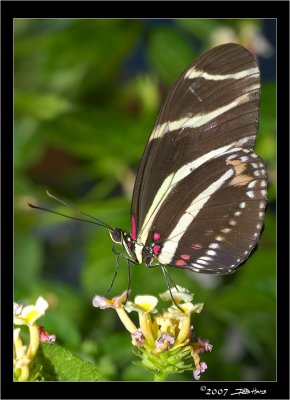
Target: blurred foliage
(87,93)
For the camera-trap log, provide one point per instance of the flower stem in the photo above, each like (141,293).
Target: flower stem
(145,325)
(129,325)
(160,377)
(185,327)
(34,341)
(24,373)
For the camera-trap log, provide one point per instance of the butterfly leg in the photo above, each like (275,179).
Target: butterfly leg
(166,274)
(171,280)
(116,268)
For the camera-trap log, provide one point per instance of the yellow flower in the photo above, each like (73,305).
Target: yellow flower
(23,355)
(118,304)
(144,304)
(29,314)
(187,308)
(164,340)
(178,293)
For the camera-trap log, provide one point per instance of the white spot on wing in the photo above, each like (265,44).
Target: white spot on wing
(231,156)
(252,184)
(211,252)
(196,269)
(202,262)
(205,258)
(250,194)
(214,246)
(242,204)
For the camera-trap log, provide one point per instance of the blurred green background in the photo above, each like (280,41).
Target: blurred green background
(87,93)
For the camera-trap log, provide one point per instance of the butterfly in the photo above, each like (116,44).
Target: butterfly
(200,192)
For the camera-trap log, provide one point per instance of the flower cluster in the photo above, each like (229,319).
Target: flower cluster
(24,355)
(164,341)
(248,34)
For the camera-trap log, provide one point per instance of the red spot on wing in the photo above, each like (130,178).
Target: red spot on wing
(133,228)
(156,249)
(196,246)
(129,244)
(185,256)
(156,236)
(180,263)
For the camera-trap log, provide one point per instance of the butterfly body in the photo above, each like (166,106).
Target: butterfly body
(137,253)
(200,192)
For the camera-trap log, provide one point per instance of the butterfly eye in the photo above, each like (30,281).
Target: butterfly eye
(116,235)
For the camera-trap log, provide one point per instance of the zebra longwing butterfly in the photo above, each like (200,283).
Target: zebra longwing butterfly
(200,192)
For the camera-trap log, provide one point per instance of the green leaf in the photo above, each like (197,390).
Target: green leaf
(60,364)
(169,53)
(27,259)
(44,106)
(199,28)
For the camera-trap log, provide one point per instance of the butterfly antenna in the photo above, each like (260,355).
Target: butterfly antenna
(101,223)
(62,215)
(98,222)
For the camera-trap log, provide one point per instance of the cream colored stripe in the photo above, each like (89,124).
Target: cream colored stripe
(197,120)
(194,73)
(172,180)
(167,253)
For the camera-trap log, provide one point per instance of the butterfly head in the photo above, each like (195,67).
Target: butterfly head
(118,236)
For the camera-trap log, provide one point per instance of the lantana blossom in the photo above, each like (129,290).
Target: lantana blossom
(29,314)
(23,355)
(164,339)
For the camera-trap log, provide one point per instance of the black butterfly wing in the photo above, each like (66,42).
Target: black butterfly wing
(198,168)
